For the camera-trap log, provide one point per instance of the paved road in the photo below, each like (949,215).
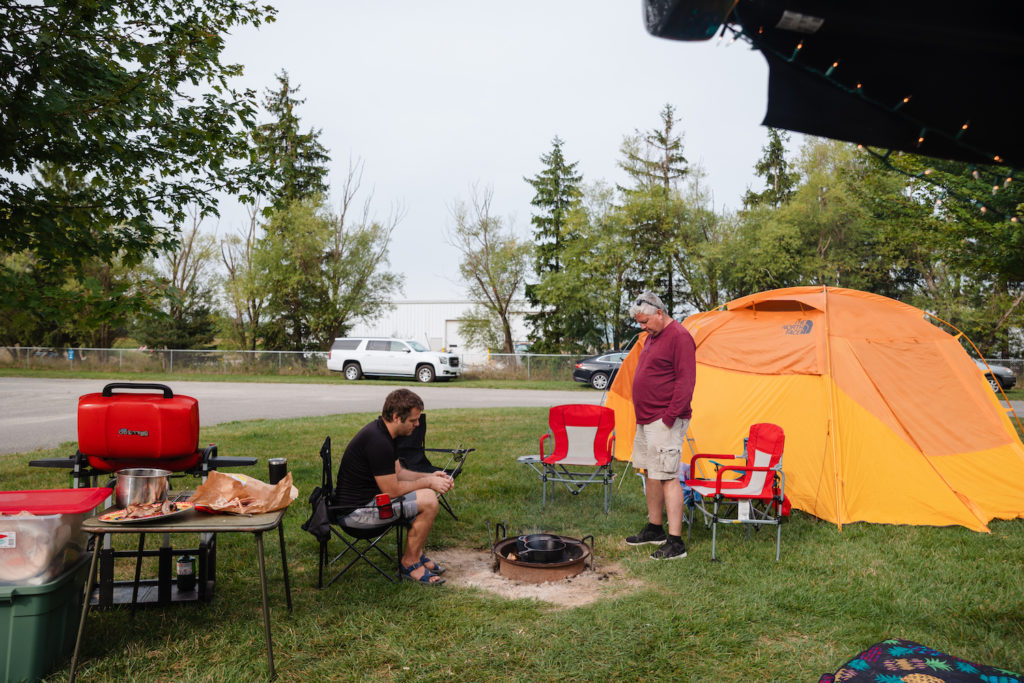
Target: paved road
(42,413)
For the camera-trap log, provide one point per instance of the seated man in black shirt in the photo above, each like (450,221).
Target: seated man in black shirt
(370,466)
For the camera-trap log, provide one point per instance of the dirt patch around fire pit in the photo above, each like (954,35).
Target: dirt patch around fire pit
(476,568)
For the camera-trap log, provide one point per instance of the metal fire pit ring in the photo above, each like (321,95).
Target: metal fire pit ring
(577,552)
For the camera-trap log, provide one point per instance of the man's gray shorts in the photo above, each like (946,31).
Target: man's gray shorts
(369,517)
(658,448)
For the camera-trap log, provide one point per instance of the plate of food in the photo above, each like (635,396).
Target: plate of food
(150,512)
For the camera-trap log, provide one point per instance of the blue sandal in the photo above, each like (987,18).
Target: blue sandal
(424,580)
(438,569)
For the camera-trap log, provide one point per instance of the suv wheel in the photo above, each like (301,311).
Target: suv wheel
(425,374)
(352,371)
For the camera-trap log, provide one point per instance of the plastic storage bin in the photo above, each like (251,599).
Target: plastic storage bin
(41,532)
(38,624)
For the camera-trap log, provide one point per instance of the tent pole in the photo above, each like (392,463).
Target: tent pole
(833,436)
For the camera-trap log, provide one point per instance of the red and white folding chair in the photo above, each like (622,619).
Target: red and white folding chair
(583,438)
(751,493)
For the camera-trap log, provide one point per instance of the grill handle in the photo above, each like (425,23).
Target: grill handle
(109,389)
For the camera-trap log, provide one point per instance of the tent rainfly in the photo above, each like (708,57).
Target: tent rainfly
(887,418)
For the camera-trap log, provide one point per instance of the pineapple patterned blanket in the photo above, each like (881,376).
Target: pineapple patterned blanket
(904,661)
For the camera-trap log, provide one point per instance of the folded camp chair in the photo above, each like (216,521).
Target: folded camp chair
(325,523)
(413,456)
(583,438)
(756,496)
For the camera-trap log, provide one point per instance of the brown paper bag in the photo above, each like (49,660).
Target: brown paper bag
(242,494)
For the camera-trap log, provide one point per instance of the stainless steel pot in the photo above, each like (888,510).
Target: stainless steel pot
(141,486)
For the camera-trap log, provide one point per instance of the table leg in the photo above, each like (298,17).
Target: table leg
(165,577)
(96,541)
(284,565)
(138,572)
(266,605)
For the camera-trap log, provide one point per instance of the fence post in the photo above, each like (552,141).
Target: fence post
(172,360)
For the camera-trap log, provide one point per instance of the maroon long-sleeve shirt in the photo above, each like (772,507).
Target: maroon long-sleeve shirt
(665,375)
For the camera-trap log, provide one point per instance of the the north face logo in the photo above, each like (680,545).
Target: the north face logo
(799,327)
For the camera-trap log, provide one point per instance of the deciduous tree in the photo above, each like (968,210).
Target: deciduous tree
(133,96)
(494,262)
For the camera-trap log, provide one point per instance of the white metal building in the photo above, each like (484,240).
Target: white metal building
(436,324)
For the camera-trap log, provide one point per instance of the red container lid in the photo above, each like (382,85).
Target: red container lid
(52,501)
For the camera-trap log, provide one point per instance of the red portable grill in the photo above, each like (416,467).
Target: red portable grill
(135,424)
(121,430)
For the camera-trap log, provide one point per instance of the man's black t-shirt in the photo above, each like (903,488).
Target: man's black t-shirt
(370,453)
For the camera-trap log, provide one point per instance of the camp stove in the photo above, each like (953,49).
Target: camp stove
(540,558)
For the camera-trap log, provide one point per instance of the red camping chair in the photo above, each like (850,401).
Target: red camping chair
(756,496)
(583,439)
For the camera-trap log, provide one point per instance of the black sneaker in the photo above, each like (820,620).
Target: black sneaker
(672,550)
(648,535)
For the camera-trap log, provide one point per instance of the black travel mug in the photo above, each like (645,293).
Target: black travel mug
(278,467)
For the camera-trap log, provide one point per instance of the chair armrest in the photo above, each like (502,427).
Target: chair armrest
(708,456)
(737,468)
(541,448)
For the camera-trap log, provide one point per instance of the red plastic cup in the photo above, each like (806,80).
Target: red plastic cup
(384,506)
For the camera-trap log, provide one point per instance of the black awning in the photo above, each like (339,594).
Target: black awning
(842,70)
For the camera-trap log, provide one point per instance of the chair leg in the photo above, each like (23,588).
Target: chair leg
(714,531)
(778,537)
(447,506)
(320,569)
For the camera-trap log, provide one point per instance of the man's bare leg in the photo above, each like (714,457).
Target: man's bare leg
(672,492)
(427,507)
(655,495)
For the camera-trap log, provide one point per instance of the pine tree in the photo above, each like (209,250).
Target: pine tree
(780,182)
(557,192)
(296,162)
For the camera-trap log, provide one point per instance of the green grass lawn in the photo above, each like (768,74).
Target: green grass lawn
(741,619)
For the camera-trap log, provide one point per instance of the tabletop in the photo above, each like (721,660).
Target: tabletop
(191,521)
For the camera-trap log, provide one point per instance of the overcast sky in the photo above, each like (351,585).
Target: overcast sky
(434,97)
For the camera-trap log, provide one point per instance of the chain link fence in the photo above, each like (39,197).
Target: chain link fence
(165,360)
(212,361)
(541,366)
(496,365)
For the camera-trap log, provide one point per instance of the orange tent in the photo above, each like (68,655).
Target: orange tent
(887,418)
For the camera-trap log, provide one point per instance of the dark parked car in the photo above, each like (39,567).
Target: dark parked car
(1000,376)
(598,371)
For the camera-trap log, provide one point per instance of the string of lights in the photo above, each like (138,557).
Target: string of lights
(998,181)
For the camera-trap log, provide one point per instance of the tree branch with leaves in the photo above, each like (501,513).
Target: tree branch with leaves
(494,262)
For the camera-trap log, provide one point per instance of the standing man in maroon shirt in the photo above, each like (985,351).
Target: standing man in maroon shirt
(662,389)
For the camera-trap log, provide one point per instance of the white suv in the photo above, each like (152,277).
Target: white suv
(370,356)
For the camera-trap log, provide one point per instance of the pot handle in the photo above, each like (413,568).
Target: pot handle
(584,539)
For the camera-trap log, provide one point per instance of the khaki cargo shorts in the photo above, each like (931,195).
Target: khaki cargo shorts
(658,448)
